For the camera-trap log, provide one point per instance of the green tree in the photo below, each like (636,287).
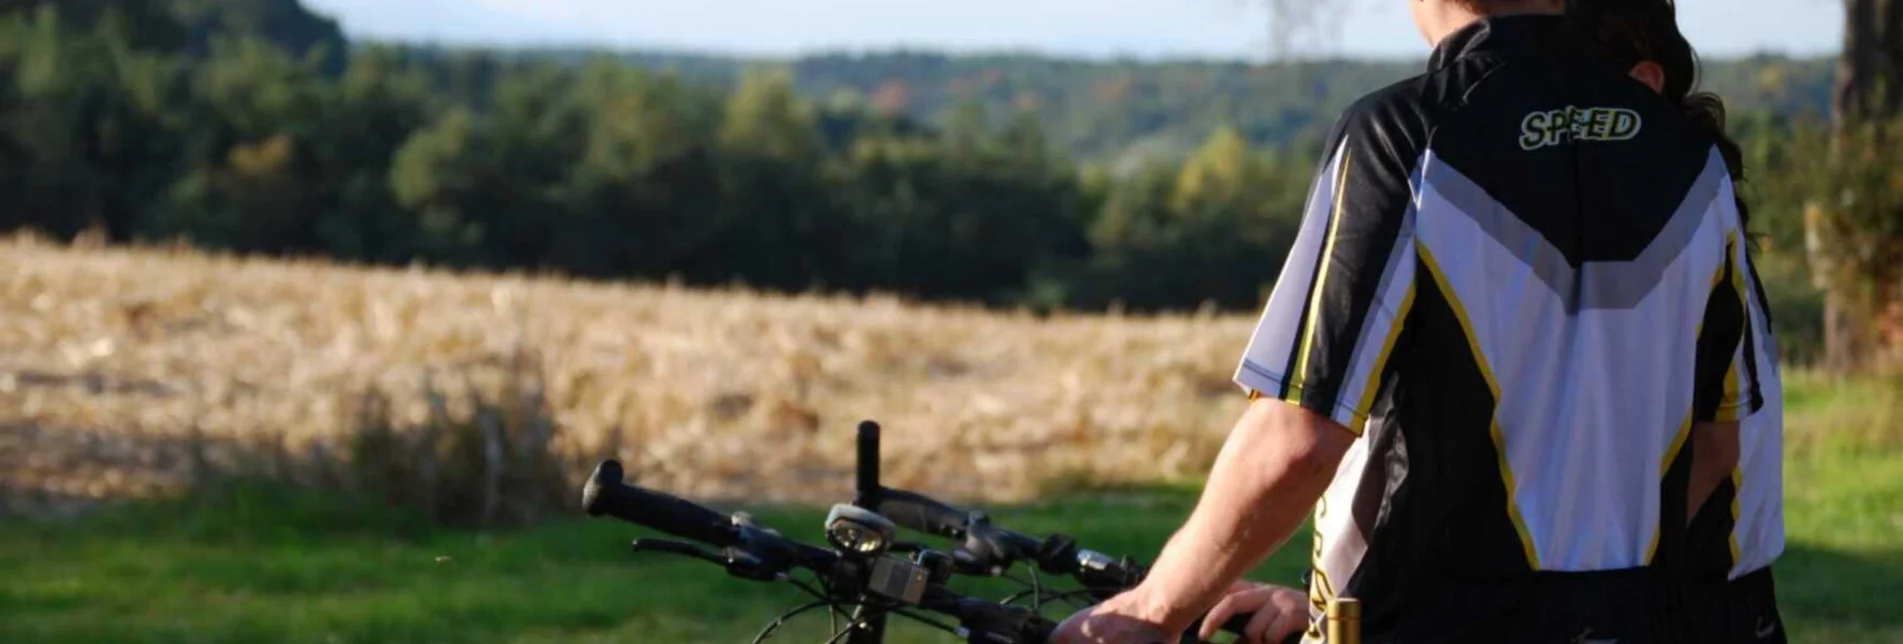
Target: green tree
(643,198)
(448,175)
(88,132)
(381,100)
(779,228)
(254,181)
(1213,231)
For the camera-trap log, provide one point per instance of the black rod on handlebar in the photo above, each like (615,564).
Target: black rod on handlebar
(866,495)
(867,489)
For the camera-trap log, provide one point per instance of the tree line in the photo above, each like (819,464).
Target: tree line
(249,125)
(115,116)
(1128,111)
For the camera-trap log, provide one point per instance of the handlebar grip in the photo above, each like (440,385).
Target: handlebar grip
(606,494)
(1238,623)
(917,512)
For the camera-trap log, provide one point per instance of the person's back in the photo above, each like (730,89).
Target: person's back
(1524,273)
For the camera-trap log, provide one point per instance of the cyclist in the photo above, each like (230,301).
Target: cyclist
(1730,595)
(1516,311)
(1730,592)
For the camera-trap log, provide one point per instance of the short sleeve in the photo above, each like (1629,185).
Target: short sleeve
(1337,310)
(1727,386)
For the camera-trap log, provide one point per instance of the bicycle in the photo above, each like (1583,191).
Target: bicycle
(984,549)
(860,572)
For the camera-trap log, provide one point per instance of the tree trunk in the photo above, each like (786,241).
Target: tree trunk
(1870,72)
(1869,87)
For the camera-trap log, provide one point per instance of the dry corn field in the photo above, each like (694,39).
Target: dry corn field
(123,372)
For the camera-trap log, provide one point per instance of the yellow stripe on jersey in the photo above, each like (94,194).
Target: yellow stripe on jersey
(1728,407)
(1300,375)
(1387,349)
(1493,385)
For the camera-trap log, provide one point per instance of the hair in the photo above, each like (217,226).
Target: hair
(1628,32)
(1483,6)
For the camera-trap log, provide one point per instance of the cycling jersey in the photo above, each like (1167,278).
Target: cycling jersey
(1731,597)
(1754,518)
(1520,279)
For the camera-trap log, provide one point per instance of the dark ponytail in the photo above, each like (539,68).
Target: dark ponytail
(1707,112)
(1627,32)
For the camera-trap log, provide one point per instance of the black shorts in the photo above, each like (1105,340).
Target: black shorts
(1743,611)
(1632,606)
(1628,607)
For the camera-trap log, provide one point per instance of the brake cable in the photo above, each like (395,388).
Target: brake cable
(767,632)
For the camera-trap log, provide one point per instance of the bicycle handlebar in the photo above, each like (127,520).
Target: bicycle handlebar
(605,493)
(994,546)
(918,512)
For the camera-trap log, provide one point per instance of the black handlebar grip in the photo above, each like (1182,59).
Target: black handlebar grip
(606,494)
(917,512)
(1238,623)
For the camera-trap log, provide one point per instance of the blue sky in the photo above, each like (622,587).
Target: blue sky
(1094,28)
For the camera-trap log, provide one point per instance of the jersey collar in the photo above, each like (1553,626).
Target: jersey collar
(1517,34)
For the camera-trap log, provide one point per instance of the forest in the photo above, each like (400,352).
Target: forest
(255,126)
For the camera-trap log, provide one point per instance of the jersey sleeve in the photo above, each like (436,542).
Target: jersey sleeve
(1727,373)
(1337,310)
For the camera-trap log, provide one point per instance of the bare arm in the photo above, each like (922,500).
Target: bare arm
(1715,453)
(1276,464)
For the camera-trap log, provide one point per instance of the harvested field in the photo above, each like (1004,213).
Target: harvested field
(127,372)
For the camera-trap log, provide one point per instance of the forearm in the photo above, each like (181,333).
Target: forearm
(1715,453)
(1276,463)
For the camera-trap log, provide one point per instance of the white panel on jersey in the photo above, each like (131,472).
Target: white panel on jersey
(1589,401)
(1339,545)
(1274,340)
(1759,533)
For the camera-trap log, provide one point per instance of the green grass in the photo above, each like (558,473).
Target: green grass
(260,564)
(1831,413)
(270,565)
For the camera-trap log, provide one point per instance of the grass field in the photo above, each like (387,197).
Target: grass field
(110,358)
(270,565)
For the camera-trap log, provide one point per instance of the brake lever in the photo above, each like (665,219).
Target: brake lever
(738,562)
(681,548)
(747,565)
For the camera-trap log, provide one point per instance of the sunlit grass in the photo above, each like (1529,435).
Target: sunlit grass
(1830,412)
(273,565)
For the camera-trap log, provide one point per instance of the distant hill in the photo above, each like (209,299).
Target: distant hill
(288,23)
(195,25)
(1126,110)
(1119,112)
